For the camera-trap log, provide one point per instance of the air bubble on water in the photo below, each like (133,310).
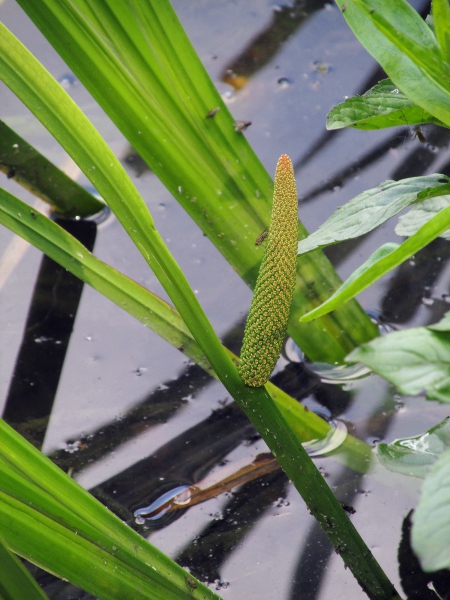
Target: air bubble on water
(284,82)
(220,584)
(72,447)
(281,502)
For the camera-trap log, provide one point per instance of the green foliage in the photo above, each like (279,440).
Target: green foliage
(16,583)
(398,38)
(137,62)
(431,520)
(414,360)
(372,208)
(78,538)
(414,456)
(196,158)
(382,106)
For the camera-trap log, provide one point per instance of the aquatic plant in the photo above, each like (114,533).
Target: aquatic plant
(106,50)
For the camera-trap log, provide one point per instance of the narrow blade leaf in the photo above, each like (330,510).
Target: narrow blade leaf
(49,519)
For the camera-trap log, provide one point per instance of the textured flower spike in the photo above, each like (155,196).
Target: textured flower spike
(271,304)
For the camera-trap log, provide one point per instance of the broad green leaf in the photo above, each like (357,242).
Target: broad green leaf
(416,360)
(441,20)
(431,519)
(409,223)
(382,261)
(382,106)
(398,38)
(29,168)
(49,519)
(368,210)
(136,60)
(414,455)
(16,582)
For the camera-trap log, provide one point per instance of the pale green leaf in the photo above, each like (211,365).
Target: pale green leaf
(382,261)
(368,210)
(431,519)
(441,20)
(414,455)
(409,223)
(415,361)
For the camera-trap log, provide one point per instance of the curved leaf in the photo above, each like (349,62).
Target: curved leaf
(431,519)
(382,261)
(414,360)
(370,209)
(398,38)
(382,106)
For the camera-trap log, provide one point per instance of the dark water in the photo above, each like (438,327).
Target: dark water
(133,419)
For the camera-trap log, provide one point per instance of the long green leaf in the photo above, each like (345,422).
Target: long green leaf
(398,38)
(382,261)
(370,209)
(138,63)
(48,518)
(382,106)
(16,582)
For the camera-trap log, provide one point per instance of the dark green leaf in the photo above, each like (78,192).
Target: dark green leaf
(382,106)
(368,210)
(416,360)
(414,455)
(431,520)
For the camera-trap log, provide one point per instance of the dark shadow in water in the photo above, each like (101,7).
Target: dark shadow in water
(414,579)
(205,555)
(45,341)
